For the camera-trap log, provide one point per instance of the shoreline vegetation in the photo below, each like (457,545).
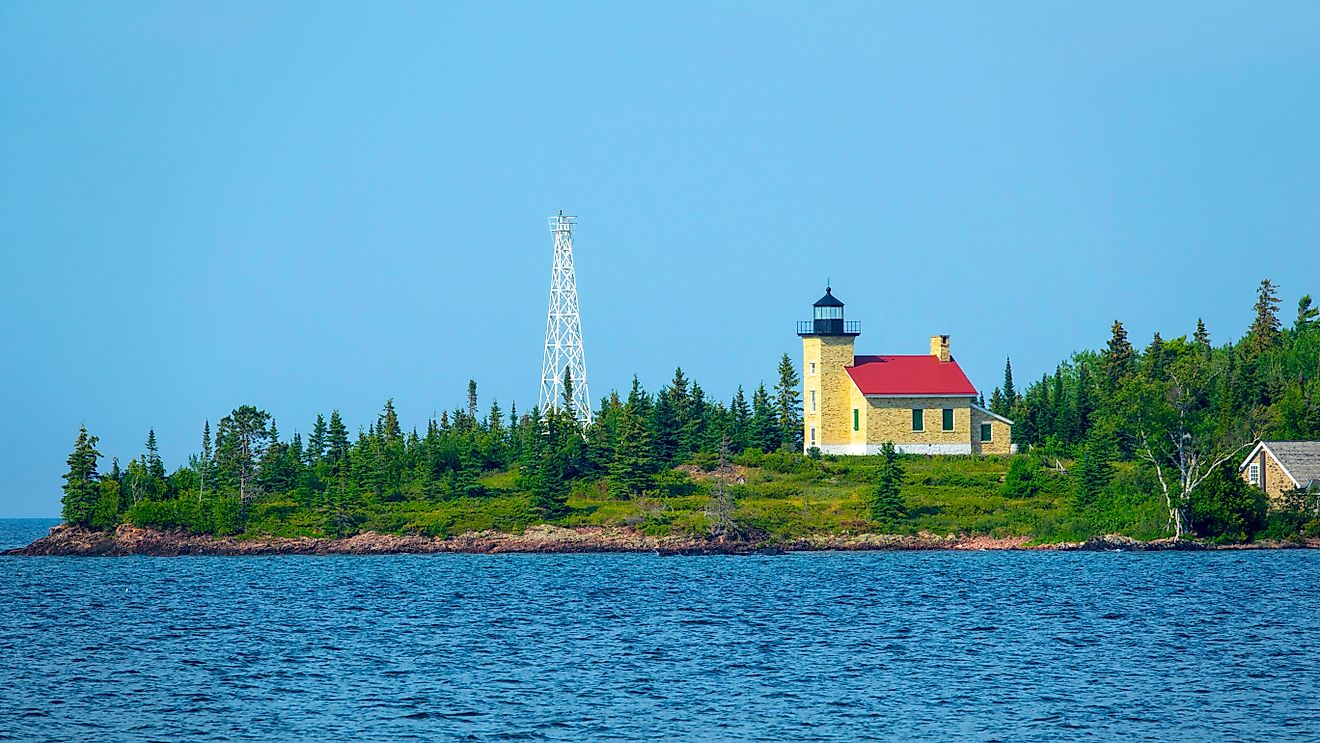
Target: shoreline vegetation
(1140,445)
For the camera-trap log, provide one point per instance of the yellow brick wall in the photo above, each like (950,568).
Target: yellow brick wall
(832,417)
(1276,482)
(1000,434)
(890,419)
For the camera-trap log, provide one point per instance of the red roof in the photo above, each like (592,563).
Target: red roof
(909,375)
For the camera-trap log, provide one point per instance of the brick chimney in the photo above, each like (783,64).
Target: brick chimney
(939,346)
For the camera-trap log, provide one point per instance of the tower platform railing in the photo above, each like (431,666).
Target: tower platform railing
(808,327)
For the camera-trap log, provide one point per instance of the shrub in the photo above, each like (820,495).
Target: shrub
(1024,478)
(1225,508)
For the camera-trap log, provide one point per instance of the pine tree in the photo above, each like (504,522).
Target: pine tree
(387,424)
(631,470)
(765,425)
(1306,314)
(1007,390)
(887,507)
(1155,357)
(788,405)
(81,483)
(204,462)
(336,438)
(1119,355)
(1202,336)
(740,423)
(472,400)
(155,467)
(1264,331)
(1094,469)
(316,443)
(997,404)
(244,434)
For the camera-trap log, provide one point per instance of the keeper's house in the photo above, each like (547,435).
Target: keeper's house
(1279,466)
(856,404)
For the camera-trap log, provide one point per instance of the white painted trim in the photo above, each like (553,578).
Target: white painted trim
(996,416)
(1273,456)
(858,450)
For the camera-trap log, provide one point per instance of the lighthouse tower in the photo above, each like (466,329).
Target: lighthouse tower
(827,352)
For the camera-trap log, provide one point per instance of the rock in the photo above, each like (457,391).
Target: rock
(1112,543)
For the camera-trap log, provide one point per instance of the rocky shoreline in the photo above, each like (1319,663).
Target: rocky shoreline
(65,540)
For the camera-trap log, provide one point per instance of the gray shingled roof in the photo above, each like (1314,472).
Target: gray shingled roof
(1300,458)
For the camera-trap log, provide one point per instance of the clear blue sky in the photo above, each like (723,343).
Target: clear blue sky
(323,205)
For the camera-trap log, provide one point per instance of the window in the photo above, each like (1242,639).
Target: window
(1253,474)
(813,401)
(856,417)
(813,368)
(813,435)
(985,432)
(948,419)
(918,419)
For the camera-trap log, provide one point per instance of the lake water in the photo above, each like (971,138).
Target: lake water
(890,646)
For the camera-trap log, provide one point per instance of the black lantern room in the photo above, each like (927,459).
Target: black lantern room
(827,318)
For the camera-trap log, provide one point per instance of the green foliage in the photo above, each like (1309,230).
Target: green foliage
(1226,508)
(1023,479)
(887,507)
(82,490)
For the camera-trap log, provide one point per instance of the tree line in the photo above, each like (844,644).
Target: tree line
(632,443)
(1184,407)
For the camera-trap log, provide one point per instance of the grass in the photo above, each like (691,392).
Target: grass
(782,497)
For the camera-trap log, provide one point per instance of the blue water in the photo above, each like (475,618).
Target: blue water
(891,646)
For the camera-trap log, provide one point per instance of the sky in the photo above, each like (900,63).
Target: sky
(310,206)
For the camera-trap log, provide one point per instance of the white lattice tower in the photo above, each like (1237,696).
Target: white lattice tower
(563,328)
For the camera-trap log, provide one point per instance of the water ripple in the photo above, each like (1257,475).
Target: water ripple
(885,646)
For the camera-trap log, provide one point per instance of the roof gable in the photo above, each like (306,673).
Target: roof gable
(1300,459)
(910,376)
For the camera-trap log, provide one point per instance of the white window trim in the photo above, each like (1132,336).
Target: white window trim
(1253,473)
(813,401)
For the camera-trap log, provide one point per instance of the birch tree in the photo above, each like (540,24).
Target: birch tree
(1174,429)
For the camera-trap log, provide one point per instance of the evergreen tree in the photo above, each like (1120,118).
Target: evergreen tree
(387,424)
(1306,314)
(997,404)
(1008,390)
(1202,336)
(81,484)
(316,443)
(766,430)
(740,422)
(788,405)
(632,468)
(472,399)
(1155,357)
(1094,469)
(1264,332)
(336,439)
(887,507)
(204,462)
(1119,355)
(244,435)
(155,467)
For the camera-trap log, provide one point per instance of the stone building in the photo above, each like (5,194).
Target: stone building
(1279,466)
(855,404)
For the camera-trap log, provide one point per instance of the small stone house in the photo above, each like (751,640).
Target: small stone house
(1279,466)
(923,404)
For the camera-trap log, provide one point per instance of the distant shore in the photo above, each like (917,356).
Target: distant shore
(126,540)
